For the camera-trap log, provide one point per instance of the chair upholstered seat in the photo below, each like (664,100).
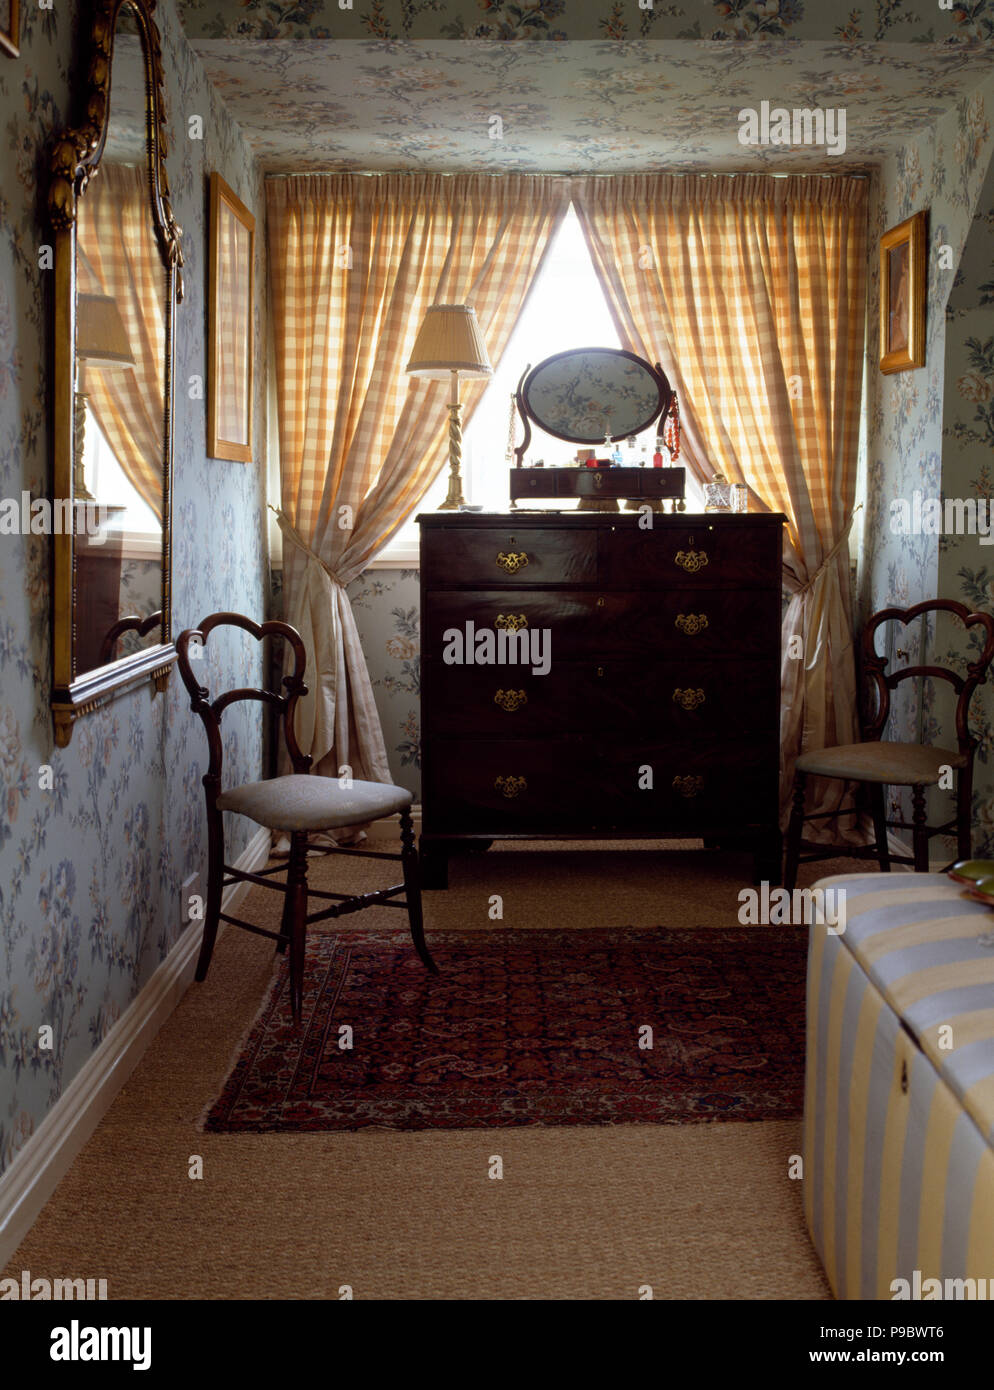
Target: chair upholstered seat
(875,764)
(296,804)
(304,802)
(896,764)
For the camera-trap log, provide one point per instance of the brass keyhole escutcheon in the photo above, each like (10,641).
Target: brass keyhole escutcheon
(691,623)
(511,700)
(511,561)
(689,785)
(690,698)
(601,602)
(510,786)
(511,622)
(691,560)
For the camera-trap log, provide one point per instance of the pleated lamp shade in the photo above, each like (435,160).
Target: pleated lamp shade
(449,341)
(101,338)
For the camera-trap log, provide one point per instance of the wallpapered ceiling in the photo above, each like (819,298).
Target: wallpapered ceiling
(905,20)
(90,872)
(931,429)
(579,108)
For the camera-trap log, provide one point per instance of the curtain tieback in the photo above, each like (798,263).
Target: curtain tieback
(291,533)
(823,567)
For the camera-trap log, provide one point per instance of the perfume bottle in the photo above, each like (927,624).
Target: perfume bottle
(657,458)
(634,459)
(617,458)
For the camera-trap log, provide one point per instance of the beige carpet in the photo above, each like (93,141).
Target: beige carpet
(695,1211)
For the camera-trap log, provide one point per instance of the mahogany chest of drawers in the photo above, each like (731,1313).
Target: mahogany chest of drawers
(659,712)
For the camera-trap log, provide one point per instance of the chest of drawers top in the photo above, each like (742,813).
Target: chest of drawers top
(599,550)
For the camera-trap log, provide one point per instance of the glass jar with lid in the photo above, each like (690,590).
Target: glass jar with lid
(718,494)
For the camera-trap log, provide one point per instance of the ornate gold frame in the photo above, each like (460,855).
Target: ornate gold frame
(218,447)
(10,40)
(912,232)
(75,154)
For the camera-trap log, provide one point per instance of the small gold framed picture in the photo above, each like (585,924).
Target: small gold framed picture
(903,282)
(231,314)
(10,27)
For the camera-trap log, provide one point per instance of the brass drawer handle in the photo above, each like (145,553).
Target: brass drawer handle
(511,561)
(511,700)
(511,622)
(691,560)
(510,786)
(689,698)
(689,785)
(691,623)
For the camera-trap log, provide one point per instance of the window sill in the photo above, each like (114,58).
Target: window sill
(401,555)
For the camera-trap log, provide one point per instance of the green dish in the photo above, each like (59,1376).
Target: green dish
(971,871)
(982,892)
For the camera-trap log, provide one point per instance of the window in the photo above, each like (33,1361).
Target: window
(566,309)
(109,483)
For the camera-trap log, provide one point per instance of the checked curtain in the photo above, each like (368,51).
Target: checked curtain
(354,261)
(750,292)
(118,255)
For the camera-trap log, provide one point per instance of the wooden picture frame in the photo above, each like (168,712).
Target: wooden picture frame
(10,27)
(903,284)
(231,320)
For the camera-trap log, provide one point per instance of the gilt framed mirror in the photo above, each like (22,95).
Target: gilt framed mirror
(588,394)
(117,281)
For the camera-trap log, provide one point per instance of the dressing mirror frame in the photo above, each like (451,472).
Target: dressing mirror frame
(529,416)
(75,155)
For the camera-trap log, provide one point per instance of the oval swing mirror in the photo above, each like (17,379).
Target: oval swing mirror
(584,395)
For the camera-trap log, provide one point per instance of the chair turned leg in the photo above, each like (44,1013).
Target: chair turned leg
(918,834)
(295,918)
(876,790)
(412,889)
(964,814)
(215,885)
(794,831)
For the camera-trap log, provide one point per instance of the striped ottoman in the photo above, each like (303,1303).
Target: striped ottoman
(899,1090)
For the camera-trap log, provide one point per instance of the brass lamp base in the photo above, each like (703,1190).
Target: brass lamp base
(454,498)
(80,491)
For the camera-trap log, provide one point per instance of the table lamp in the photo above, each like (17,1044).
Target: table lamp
(449,342)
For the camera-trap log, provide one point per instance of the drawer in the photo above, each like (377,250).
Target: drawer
(705,553)
(679,624)
(484,557)
(592,699)
(594,482)
(531,786)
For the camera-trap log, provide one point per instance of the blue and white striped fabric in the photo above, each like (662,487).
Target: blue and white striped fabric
(899,1089)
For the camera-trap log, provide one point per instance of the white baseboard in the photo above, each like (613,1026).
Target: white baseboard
(38,1168)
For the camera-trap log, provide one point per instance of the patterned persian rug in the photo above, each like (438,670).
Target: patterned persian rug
(582,1027)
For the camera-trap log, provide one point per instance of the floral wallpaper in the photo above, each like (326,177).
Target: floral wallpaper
(480,106)
(91,869)
(387,607)
(929,429)
(556,20)
(966,565)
